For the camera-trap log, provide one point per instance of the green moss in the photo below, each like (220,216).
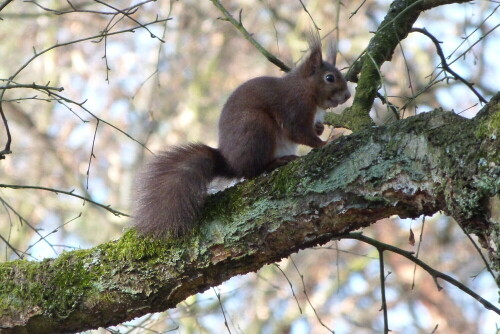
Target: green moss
(284,181)
(489,127)
(13,293)
(69,281)
(56,285)
(132,247)
(223,204)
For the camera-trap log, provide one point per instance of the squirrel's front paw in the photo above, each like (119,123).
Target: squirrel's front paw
(319,128)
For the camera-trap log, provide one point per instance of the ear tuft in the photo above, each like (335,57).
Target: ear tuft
(331,56)
(313,39)
(314,61)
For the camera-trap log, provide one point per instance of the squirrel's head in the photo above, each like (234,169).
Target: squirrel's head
(328,84)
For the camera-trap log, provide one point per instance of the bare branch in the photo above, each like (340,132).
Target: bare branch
(445,65)
(69,193)
(127,14)
(433,272)
(5,4)
(479,26)
(6,149)
(73,9)
(310,16)
(239,25)
(304,291)
(36,55)
(290,285)
(394,28)
(31,86)
(89,38)
(23,220)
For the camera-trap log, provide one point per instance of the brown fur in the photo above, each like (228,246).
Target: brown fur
(260,117)
(171,188)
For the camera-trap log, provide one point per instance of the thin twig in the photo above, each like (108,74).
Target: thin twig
(127,14)
(81,105)
(45,236)
(69,193)
(357,9)
(7,243)
(383,98)
(49,92)
(310,16)
(391,106)
(222,309)
(382,288)
(160,48)
(444,64)
(479,26)
(72,9)
(407,71)
(4,4)
(307,297)
(89,38)
(291,287)
(6,149)
(23,220)
(433,272)
(418,251)
(91,154)
(239,25)
(13,85)
(337,29)
(474,44)
(479,252)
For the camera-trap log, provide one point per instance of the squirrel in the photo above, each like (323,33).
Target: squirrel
(260,127)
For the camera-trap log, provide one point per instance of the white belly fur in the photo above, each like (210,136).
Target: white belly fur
(320,115)
(285,146)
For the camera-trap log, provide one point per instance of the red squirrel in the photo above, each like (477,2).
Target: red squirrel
(261,125)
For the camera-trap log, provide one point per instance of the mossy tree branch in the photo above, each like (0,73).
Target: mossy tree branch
(417,166)
(365,70)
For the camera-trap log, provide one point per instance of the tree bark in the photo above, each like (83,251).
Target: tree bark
(436,161)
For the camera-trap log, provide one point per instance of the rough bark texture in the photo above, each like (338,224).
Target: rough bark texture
(433,161)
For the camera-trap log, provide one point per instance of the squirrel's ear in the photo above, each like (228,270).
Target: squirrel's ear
(315,58)
(312,63)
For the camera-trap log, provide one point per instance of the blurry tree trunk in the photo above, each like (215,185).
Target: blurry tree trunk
(436,161)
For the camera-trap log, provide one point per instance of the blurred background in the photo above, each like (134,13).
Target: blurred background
(127,94)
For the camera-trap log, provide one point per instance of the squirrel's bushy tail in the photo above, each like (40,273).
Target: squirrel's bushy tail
(172,187)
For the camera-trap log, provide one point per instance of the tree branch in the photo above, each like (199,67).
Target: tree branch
(49,90)
(4,4)
(69,193)
(6,149)
(414,167)
(365,70)
(445,65)
(239,25)
(381,247)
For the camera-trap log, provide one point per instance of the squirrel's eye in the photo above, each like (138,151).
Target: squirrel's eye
(329,78)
